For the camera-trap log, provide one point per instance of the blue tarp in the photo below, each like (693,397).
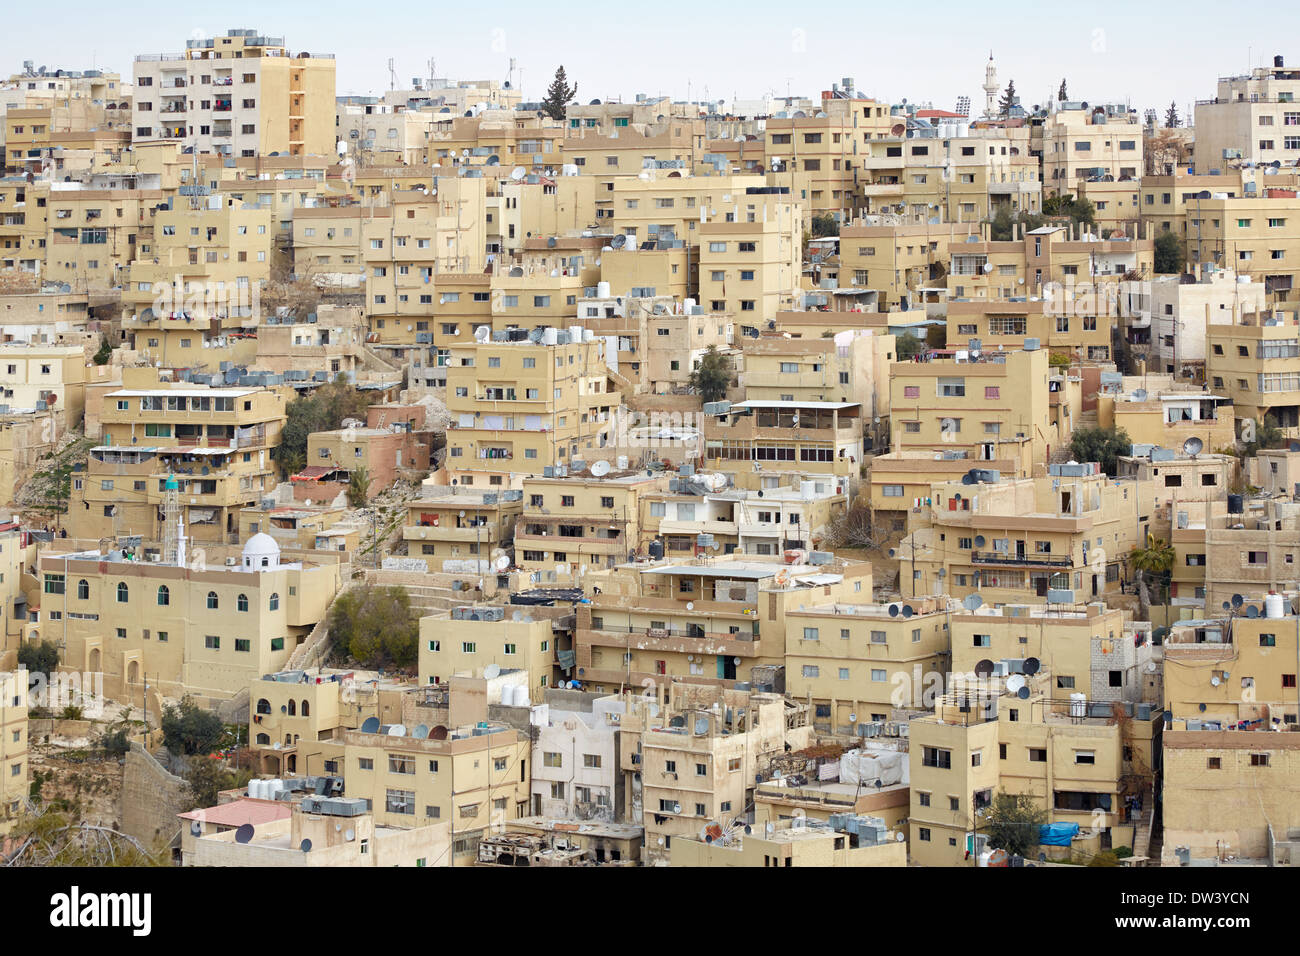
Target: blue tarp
(1057,834)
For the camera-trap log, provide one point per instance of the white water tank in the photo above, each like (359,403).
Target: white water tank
(807,490)
(688,305)
(1078,705)
(575,333)
(1273,604)
(622,462)
(549,336)
(521,697)
(602,290)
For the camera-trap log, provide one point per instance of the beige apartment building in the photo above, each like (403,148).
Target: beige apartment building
(448,525)
(1250,235)
(93,235)
(851,662)
(270,101)
(983,406)
(953,175)
(465,640)
(215,443)
(757,439)
(667,207)
(790,845)
(751,268)
(1255,363)
(1229,796)
(981,740)
(37,377)
(1069,323)
(520,407)
(1170,328)
(852,366)
(1234,673)
(1014,540)
(691,762)
(899,483)
(1081,143)
(214,618)
(474,778)
(14,769)
(671,344)
(1252,118)
(899,262)
(716,620)
(1031,263)
(581,522)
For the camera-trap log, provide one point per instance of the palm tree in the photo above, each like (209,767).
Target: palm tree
(1152,564)
(359,487)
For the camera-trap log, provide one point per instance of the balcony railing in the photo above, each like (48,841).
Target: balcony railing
(1021,560)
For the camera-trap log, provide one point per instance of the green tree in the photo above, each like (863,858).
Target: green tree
(559,95)
(712,376)
(206,777)
(105,352)
(189,729)
(908,346)
(824,225)
(1102,445)
(1152,565)
(42,658)
(1079,210)
(1168,253)
(324,409)
(1008,98)
(1060,96)
(375,626)
(1256,435)
(1171,116)
(1014,822)
(359,487)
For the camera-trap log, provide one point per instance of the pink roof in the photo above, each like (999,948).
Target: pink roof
(238,812)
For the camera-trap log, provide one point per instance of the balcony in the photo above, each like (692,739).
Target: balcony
(485,533)
(1001,559)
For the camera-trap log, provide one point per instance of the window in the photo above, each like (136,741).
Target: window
(241,603)
(810,634)
(212,642)
(1085,757)
(123,593)
(164,595)
(1259,760)
(212,600)
(1037,755)
(936,757)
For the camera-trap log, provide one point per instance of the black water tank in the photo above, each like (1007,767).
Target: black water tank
(1277,61)
(1234,504)
(656,550)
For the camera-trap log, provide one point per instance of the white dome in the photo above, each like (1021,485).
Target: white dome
(261,551)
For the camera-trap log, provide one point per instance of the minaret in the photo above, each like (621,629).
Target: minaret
(990,89)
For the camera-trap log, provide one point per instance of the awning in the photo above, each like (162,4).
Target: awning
(313,473)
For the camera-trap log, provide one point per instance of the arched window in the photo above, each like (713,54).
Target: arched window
(263,738)
(123,592)
(212,600)
(263,706)
(241,603)
(293,707)
(306,709)
(83,590)
(275,601)
(164,595)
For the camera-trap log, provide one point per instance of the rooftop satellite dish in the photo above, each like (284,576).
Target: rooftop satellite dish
(618,242)
(350,835)
(907,610)
(690,605)
(1015,682)
(1192,447)
(1201,707)
(1031,665)
(1214,681)
(1139,394)
(397,730)
(244,834)
(701,726)
(599,469)
(421,732)
(305,845)
(491,671)
(438,733)
(893,610)
(1238,600)
(482,333)
(979,540)
(502,563)
(984,668)
(196,828)
(972,601)
(892,552)
(1227,606)
(1023,693)
(941,573)
(370,725)
(518,173)
(1252,611)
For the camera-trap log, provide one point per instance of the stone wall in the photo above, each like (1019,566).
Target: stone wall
(151,798)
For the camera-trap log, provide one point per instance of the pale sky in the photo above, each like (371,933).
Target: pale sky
(1108,51)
